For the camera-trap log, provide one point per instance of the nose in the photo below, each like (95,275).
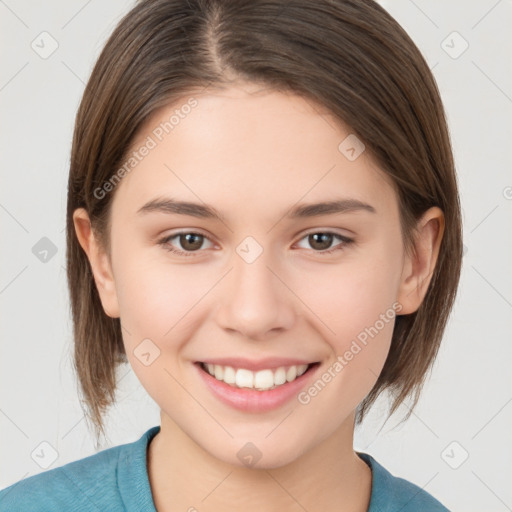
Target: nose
(255,300)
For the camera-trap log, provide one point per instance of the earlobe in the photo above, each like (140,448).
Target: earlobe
(419,266)
(99,261)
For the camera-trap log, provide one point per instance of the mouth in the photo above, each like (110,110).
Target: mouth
(256,386)
(264,379)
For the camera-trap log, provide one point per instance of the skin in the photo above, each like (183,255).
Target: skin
(253,154)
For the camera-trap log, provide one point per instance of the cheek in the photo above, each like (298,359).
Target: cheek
(356,308)
(158,308)
(155,298)
(351,297)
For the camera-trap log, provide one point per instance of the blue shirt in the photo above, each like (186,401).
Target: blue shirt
(116,479)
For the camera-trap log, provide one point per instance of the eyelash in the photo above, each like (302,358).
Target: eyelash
(165,243)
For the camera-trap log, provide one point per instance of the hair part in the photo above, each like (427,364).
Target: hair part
(351,57)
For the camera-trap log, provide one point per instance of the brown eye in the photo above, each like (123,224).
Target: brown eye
(320,241)
(191,241)
(185,243)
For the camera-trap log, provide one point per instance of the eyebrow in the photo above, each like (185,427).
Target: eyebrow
(204,211)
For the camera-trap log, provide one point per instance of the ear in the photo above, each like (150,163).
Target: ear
(100,262)
(419,266)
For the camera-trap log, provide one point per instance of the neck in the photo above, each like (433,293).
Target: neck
(330,477)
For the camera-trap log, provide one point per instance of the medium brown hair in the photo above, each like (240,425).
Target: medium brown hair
(349,56)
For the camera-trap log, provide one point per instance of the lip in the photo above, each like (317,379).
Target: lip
(252,400)
(270,363)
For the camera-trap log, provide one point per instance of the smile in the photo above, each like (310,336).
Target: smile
(256,386)
(261,380)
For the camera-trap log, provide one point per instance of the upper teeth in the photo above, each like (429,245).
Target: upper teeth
(261,380)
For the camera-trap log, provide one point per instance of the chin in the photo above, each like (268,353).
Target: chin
(257,454)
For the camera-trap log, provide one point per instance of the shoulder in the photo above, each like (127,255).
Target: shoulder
(390,492)
(84,484)
(93,483)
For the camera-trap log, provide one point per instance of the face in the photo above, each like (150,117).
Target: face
(248,280)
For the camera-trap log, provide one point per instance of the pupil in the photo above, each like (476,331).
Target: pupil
(324,239)
(189,241)
(193,241)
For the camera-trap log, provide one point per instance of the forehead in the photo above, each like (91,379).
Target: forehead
(249,148)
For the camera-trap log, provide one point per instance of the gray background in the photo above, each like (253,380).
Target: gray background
(457,443)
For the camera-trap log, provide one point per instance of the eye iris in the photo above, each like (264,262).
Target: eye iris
(325,240)
(191,241)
